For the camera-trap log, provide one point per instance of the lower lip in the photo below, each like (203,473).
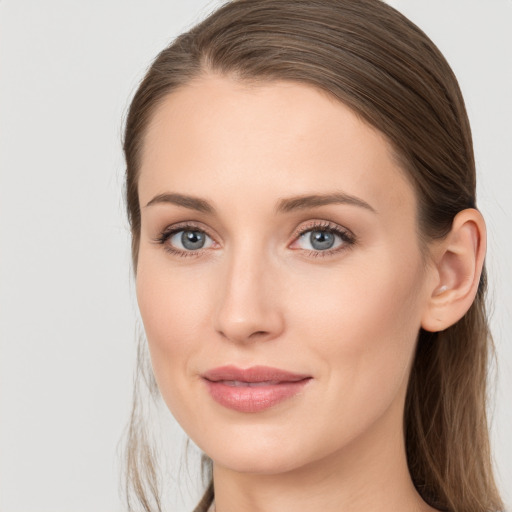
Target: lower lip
(253,398)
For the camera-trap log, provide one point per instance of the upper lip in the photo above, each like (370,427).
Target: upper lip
(252,374)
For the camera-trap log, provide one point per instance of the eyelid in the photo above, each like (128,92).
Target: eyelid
(325,225)
(170,231)
(185,226)
(347,237)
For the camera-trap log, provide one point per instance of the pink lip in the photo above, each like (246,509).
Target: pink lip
(253,389)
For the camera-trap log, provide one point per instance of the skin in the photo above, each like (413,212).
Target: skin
(259,294)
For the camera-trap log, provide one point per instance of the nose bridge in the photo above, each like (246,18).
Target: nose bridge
(248,306)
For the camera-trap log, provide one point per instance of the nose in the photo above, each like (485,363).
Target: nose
(248,306)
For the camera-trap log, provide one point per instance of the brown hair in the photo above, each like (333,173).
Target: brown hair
(373,59)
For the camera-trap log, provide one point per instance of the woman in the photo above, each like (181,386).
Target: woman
(309,262)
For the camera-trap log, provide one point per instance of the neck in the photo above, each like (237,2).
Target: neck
(369,474)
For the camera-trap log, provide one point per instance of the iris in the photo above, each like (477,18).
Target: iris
(321,240)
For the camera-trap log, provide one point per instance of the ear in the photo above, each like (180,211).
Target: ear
(458,261)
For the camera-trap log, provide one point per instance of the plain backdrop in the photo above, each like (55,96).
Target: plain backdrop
(67,309)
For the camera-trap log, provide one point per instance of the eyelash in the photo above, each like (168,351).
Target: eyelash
(328,227)
(346,236)
(168,232)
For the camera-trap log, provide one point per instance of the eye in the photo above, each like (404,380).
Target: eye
(184,240)
(324,238)
(189,240)
(319,240)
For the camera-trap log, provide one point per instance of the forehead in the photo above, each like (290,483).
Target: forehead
(227,140)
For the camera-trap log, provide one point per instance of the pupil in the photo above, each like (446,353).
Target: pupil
(192,239)
(322,240)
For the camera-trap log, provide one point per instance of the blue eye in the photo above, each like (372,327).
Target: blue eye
(184,240)
(323,239)
(189,240)
(320,240)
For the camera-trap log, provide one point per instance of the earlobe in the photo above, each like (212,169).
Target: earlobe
(458,264)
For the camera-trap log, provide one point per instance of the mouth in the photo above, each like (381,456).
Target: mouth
(240,383)
(253,389)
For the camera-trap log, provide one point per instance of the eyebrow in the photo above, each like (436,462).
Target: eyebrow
(191,202)
(283,206)
(313,201)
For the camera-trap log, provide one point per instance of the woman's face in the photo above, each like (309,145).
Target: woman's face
(277,232)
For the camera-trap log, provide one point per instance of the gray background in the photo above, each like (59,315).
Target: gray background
(67,309)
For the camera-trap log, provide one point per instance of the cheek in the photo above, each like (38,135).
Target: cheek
(363,325)
(173,312)
(378,296)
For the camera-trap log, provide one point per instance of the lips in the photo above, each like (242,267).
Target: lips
(252,389)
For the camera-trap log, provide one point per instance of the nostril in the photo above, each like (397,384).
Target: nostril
(258,334)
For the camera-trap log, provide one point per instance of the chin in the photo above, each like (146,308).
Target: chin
(258,462)
(265,453)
